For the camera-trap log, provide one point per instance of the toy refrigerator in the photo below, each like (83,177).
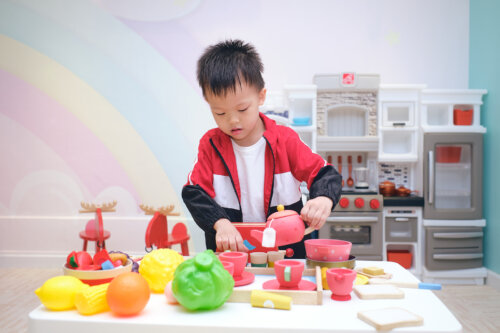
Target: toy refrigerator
(453,164)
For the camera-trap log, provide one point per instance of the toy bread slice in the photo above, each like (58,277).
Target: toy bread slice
(389,318)
(378,291)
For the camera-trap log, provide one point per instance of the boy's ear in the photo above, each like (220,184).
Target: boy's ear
(262,96)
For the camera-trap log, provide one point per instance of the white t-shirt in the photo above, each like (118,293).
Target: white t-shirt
(250,162)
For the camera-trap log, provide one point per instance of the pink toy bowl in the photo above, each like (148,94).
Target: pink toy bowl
(288,272)
(340,281)
(95,277)
(327,249)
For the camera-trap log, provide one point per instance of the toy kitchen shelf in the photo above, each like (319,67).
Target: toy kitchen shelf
(398,145)
(403,236)
(301,103)
(452,110)
(294,107)
(398,122)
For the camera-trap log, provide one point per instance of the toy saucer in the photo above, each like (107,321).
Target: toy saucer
(244,279)
(341,297)
(303,285)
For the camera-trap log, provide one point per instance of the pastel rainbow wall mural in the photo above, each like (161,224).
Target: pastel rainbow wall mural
(91,111)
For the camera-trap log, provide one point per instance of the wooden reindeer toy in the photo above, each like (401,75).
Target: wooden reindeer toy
(94,230)
(157,230)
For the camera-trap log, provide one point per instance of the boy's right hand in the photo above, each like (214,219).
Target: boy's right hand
(227,237)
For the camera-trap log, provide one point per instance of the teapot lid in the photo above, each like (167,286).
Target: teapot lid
(282,213)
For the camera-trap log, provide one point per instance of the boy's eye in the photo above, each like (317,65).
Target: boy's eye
(242,110)
(220,114)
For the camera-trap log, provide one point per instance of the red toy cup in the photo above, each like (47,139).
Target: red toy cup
(288,272)
(229,266)
(239,260)
(340,281)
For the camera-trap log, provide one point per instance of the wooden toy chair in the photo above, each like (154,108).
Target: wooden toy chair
(94,230)
(157,230)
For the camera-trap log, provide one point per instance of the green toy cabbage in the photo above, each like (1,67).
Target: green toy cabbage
(202,283)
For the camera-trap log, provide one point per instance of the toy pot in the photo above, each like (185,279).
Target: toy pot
(287,226)
(288,272)
(387,188)
(239,260)
(340,281)
(327,249)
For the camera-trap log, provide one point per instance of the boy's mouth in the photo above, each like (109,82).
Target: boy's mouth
(236,131)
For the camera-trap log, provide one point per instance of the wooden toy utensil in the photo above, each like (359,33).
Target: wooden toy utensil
(350,181)
(339,160)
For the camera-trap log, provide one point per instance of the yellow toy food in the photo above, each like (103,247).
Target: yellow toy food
(264,299)
(58,293)
(92,300)
(373,270)
(158,268)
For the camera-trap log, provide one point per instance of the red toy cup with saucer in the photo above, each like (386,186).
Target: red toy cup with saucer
(289,276)
(340,281)
(228,266)
(239,260)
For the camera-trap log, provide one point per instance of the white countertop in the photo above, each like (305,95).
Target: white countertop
(332,316)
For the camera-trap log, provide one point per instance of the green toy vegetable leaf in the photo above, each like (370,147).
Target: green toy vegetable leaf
(202,283)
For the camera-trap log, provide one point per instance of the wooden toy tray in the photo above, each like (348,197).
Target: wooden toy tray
(303,297)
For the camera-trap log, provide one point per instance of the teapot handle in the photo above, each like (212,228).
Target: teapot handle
(308,230)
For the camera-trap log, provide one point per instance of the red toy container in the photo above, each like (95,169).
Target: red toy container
(448,154)
(462,117)
(402,257)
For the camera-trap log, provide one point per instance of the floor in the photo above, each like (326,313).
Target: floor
(476,307)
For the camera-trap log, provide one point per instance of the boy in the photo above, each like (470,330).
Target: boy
(249,165)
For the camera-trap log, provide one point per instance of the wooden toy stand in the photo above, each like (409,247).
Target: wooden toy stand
(298,296)
(99,235)
(157,230)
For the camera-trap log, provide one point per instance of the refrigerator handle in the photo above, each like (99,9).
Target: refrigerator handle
(431,177)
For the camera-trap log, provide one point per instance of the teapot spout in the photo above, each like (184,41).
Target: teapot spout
(257,234)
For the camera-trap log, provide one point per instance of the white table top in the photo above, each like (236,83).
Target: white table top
(332,316)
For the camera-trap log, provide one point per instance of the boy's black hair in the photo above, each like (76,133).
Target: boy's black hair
(224,65)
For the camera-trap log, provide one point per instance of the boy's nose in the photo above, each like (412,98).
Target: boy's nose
(234,119)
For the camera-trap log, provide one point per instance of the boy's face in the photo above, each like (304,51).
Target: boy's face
(237,113)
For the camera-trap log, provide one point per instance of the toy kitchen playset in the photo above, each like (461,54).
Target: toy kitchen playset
(411,161)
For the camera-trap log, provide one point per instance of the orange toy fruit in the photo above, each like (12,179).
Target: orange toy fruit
(127,294)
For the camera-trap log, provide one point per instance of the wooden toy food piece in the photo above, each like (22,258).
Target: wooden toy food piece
(373,270)
(264,299)
(92,300)
(362,272)
(118,256)
(378,291)
(389,318)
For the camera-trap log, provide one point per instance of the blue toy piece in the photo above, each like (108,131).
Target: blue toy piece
(107,265)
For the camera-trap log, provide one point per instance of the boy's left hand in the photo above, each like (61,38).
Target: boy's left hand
(316,211)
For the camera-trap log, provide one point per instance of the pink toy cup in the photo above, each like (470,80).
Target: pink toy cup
(229,266)
(288,272)
(239,260)
(340,281)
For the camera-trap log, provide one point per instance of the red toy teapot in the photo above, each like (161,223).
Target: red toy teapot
(282,228)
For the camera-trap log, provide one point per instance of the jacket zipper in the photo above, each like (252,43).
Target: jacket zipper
(272,182)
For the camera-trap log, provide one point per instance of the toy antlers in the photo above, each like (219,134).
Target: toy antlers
(164,210)
(92,207)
